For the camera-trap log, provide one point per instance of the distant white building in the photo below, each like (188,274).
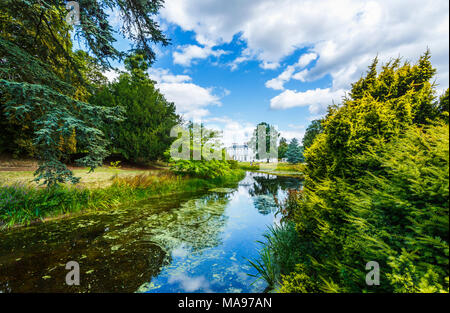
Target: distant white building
(242,153)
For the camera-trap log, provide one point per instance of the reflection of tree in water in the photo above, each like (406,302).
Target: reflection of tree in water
(196,224)
(265,190)
(118,250)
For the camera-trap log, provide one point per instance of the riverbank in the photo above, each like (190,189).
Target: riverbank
(279,169)
(197,242)
(23,203)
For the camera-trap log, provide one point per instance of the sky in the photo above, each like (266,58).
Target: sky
(232,64)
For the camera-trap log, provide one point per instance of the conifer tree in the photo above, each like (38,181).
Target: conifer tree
(294,153)
(43,85)
(144,135)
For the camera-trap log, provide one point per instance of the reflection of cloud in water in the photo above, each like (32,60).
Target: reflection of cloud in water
(180,252)
(190,284)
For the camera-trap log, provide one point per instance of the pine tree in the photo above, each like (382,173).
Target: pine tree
(44,85)
(294,153)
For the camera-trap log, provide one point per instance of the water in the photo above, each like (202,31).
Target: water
(189,243)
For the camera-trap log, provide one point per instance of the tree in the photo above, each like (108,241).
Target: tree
(37,17)
(376,188)
(294,152)
(443,103)
(43,88)
(311,132)
(196,142)
(144,135)
(271,138)
(282,148)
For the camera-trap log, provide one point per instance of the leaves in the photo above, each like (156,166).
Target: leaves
(376,188)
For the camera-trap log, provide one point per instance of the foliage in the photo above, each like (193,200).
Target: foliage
(282,148)
(397,215)
(443,104)
(294,153)
(44,85)
(376,189)
(22,204)
(271,137)
(94,28)
(146,110)
(202,169)
(55,118)
(114,165)
(314,129)
(279,254)
(195,142)
(234,165)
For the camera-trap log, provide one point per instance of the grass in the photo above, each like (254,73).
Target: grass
(280,169)
(278,255)
(101,177)
(22,204)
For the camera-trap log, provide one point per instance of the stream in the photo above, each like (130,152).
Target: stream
(180,243)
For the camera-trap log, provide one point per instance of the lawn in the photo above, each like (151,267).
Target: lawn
(101,177)
(280,169)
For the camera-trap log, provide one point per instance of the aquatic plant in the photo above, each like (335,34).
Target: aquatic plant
(266,268)
(278,255)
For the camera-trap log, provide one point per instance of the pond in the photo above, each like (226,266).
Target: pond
(185,243)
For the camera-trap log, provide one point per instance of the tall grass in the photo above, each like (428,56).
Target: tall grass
(278,255)
(23,204)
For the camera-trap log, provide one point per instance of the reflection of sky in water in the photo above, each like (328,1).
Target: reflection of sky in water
(182,243)
(223,267)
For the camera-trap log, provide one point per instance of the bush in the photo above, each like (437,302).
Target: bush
(397,216)
(202,169)
(377,189)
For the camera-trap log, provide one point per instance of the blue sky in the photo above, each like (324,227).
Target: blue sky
(232,64)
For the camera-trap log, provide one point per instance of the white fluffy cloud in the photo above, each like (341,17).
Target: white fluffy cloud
(233,131)
(190,99)
(277,83)
(344,35)
(305,59)
(316,100)
(291,134)
(185,54)
(240,132)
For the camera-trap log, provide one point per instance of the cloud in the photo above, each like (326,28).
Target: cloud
(316,100)
(305,59)
(269,65)
(233,131)
(185,54)
(290,134)
(190,284)
(165,76)
(111,74)
(190,99)
(240,132)
(277,83)
(344,35)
